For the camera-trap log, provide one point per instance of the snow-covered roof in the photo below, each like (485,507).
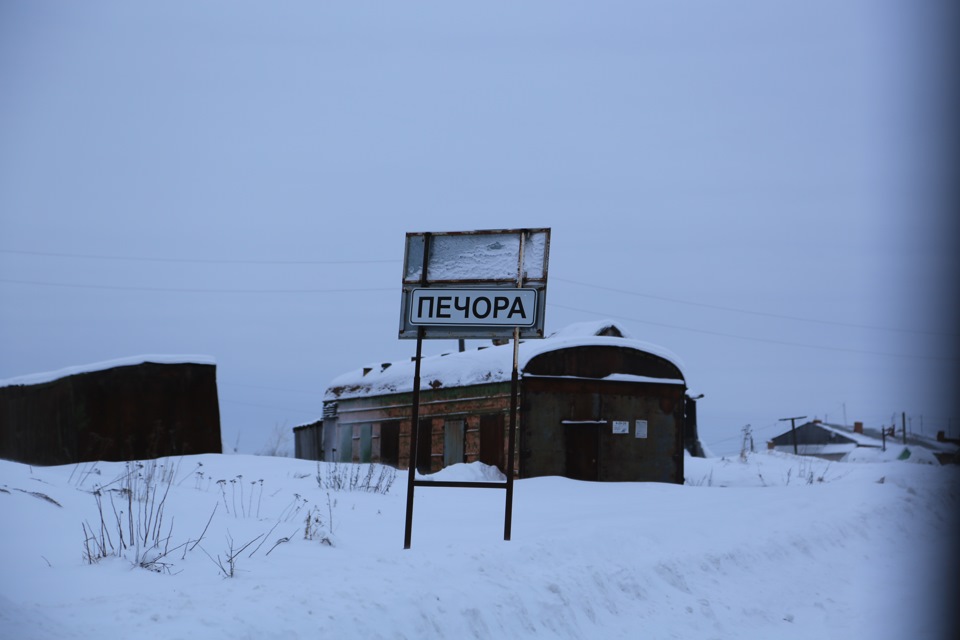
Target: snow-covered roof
(914,439)
(487,364)
(50,376)
(861,439)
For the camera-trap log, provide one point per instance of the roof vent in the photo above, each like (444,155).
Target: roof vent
(367,370)
(384,366)
(610,331)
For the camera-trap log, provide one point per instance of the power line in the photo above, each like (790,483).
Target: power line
(738,436)
(257,386)
(186,290)
(748,311)
(387,289)
(85,256)
(315,412)
(703,305)
(750,338)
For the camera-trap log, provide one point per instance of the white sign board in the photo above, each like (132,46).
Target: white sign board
(464,307)
(621,426)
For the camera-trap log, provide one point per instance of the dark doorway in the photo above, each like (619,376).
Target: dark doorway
(491,440)
(425,446)
(583,451)
(390,443)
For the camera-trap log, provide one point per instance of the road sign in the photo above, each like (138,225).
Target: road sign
(475,284)
(466,307)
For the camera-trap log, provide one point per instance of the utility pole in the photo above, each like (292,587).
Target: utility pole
(747,438)
(903,416)
(793,430)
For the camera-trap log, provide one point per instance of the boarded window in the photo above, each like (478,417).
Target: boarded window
(424,445)
(491,440)
(345,446)
(366,439)
(390,443)
(453,431)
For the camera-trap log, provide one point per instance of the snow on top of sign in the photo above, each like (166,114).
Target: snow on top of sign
(50,376)
(478,257)
(480,365)
(463,257)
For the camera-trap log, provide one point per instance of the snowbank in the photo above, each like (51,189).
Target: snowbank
(772,547)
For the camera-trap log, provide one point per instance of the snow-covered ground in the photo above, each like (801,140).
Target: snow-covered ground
(773,547)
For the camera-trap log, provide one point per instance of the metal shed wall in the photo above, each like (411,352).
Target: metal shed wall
(140,411)
(308,441)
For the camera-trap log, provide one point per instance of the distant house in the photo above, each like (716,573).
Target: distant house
(594,404)
(137,408)
(823,441)
(839,442)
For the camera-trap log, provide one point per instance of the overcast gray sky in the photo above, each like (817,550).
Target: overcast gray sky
(761,188)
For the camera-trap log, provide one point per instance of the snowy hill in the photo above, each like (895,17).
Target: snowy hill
(773,547)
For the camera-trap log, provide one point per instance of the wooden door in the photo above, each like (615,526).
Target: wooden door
(583,451)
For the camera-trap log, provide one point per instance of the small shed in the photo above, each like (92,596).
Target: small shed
(135,408)
(594,404)
(308,441)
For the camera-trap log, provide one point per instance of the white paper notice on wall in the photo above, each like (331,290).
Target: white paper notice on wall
(621,426)
(641,428)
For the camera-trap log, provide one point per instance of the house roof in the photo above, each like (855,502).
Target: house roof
(862,440)
(489,364)
(914,439)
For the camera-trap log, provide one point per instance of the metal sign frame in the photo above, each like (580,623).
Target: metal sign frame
(451,278)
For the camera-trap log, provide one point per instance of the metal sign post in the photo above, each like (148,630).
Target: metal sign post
(479,284)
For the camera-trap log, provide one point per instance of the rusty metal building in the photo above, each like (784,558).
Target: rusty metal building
(132,409)
(593,405)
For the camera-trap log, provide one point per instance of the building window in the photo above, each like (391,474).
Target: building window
(491,440)
(390,443)
(425,446)
(453,431)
